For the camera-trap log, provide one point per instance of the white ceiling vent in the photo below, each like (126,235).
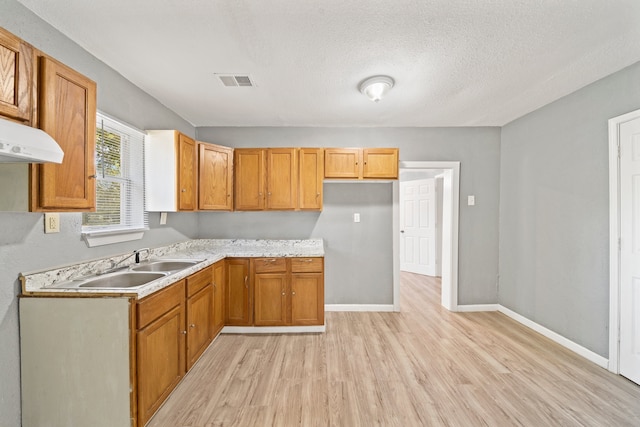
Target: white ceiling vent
(235,80)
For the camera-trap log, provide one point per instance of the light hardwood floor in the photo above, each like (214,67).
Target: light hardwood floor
(424,366)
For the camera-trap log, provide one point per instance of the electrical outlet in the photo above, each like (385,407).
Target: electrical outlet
(52,223)
(471,200)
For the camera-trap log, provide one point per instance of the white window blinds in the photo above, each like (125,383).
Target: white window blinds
(119,179)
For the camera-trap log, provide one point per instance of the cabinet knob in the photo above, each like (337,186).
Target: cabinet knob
(192,325)
(283,294)
(184,190)
(92,176)
(293,293)
(317,194)
(184,332)
(246,285)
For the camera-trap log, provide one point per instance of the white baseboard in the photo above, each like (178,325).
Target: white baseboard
(358,307)
(273,329)
(565,342)
(478,307)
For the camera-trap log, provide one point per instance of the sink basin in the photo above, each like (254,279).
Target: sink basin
(121,280)
(166,266)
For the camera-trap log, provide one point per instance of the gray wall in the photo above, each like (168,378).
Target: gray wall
(554,203)
(478,150)
(23,245)
(357,255)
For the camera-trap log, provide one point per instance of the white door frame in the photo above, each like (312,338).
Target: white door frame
(614,237)
(449,251)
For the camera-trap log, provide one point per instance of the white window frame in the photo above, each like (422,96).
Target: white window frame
(105,235)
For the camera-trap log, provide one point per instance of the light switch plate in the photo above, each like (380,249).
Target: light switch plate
(51,222)
(356,217)
(471,200)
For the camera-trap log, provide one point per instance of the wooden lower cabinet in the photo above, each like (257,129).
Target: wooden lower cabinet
(199,313)
(237,294)
(174,329)
(290,292)
(160,361)
(307,299)
(270,292)
(217,318)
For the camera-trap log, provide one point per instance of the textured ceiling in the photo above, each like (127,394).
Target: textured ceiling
(455,62)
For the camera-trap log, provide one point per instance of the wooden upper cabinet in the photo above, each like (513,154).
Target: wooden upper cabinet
(187,173)
(311,174)
(249,171)
(342,163)
(266,179)
(171,171)
(361,163)
(67,112)
(282,178)
(16,74)
(380,163)
(215,177)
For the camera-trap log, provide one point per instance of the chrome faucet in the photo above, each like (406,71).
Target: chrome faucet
(137,253)
(115,266)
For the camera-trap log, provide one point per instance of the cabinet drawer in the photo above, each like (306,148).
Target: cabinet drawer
(154,306)
(199,280)
(270,265)
(306,265)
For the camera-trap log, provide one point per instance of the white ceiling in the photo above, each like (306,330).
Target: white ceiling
(455,62)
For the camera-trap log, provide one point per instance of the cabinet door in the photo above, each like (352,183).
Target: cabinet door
(249,179)
(16,73)
(215,177)
(160,353)
(218,298)
(311,167)
(198,324)
(282,178)
(342,163)
(380,163)
(270,302)
(67,110)
(237,295)
(186,173)
(307,299)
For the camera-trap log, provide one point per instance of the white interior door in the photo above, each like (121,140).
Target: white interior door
(630,250)
(418,226)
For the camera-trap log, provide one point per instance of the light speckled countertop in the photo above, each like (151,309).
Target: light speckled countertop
(209,250)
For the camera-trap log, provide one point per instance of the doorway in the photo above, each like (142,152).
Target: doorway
(450,172)
(421,221)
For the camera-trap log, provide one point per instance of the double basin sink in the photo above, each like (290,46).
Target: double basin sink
(133,277)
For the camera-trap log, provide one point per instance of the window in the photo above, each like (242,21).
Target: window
(119,214)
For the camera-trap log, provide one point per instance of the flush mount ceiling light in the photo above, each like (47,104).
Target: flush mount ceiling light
(376,87)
